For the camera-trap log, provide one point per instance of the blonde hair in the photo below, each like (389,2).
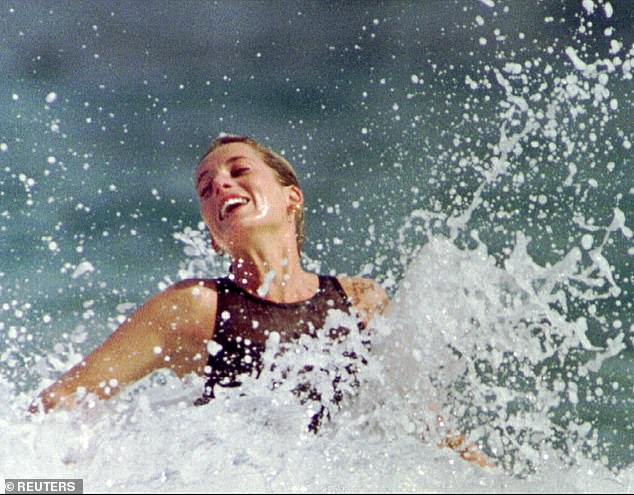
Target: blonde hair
(285,173)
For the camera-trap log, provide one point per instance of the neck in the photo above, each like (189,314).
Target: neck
(274,273)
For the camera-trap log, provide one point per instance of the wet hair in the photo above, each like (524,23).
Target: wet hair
(284,172)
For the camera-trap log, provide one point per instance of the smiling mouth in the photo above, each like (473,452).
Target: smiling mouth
(230,205)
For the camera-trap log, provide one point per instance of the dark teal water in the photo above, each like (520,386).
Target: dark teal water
(475,115)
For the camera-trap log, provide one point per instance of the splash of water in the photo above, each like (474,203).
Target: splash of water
(530,327)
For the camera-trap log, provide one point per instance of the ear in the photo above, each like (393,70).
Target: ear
(295,197)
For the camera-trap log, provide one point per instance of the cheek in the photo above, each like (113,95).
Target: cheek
(207,212)
(273,195)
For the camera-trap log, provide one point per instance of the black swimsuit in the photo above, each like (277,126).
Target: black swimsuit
(244,323)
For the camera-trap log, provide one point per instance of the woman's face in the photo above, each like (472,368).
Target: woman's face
(239,193)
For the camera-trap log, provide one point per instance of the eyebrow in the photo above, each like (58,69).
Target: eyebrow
(201,176)
(208,172)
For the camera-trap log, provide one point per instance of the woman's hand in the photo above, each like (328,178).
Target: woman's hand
(467,450)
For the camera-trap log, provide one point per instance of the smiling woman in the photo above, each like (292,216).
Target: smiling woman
(252,204)
(240,162)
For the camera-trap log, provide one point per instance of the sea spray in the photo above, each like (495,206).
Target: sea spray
(491,347)
(531,198)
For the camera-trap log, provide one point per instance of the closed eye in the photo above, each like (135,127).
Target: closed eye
(238,171)
(204,192)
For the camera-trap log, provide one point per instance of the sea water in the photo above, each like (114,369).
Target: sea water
(501,229)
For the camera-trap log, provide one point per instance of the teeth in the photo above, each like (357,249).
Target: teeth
(229,203)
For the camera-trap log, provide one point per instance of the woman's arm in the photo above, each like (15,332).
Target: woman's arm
(170,330)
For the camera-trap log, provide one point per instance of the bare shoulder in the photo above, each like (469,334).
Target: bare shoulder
(189,305)
(194,287)
(184,315)
(366,295)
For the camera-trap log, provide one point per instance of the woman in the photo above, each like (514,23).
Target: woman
(253,206)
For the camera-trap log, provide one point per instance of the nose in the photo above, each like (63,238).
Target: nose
(222,182)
